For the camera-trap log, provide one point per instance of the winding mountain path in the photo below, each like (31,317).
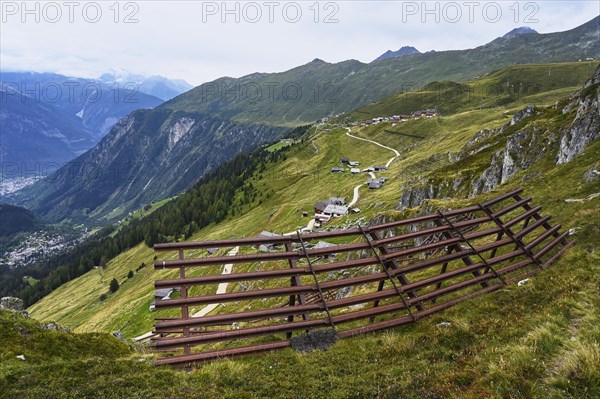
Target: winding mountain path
(309,227)
(396,152)
(356,196)
(387,165)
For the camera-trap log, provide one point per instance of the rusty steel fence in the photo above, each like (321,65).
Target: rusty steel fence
(354,281)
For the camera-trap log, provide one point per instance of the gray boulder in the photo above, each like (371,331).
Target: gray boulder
(54,327)
(316,339)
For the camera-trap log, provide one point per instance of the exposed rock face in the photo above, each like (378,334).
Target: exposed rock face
(586,126)
(379,219)
(525,147)
(413,197)
(117,334)
(490,177)
(178,129)
(521,150)
(344,292)
(11,303)
(529,111)
(595,79)
(478,142)
(415,194)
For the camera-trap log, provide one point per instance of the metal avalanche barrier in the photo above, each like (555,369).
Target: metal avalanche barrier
(351,282)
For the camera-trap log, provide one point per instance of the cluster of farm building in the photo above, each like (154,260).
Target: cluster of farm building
(428,113)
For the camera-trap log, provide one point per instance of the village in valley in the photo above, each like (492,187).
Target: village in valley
(39,245)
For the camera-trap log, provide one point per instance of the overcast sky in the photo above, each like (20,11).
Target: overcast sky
(202,40)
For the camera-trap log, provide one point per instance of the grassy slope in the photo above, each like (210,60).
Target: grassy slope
(517,85)
(539,340)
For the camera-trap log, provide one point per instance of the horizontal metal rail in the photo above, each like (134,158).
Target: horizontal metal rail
(350,290)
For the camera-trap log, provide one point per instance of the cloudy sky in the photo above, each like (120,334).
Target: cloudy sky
(202,40)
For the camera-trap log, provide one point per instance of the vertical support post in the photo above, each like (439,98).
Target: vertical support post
(442,271)
(294,282)
(184,308)
(389,264)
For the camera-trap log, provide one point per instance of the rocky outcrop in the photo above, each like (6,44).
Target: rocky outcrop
(592,174)
(521,150)
(11,303)
(527,112)
(415,193)
(530,141)
(586,126)
(413,197)
(179,129)
(482,139)
(527,146)
(117,334)
(490,177)
(478,142)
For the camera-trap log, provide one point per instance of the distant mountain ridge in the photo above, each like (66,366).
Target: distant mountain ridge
(406,50)
(157,86)
(232,115)
(318,89)
(52,118)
